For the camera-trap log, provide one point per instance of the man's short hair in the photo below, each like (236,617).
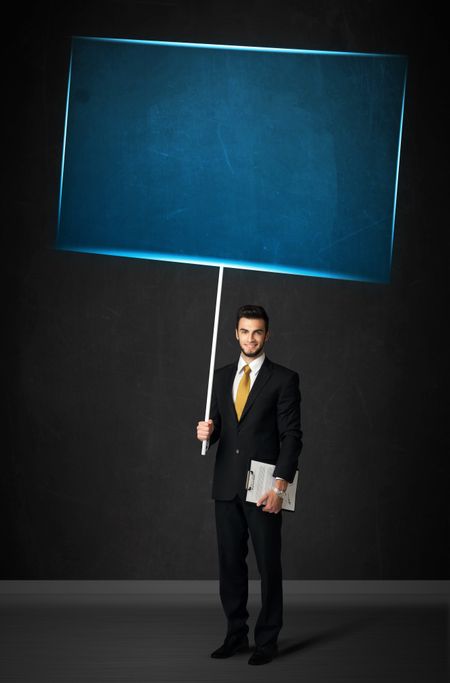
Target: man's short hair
(252,311)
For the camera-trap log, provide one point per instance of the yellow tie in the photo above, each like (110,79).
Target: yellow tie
(242,392)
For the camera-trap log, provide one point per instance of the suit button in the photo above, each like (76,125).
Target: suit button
(237,451)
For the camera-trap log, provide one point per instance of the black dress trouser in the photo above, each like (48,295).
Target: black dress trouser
(234,520)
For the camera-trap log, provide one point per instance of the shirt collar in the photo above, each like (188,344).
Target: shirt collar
(255,365)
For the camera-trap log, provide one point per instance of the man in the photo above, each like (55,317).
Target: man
(255,414)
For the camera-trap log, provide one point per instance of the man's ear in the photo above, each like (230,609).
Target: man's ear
(237,335)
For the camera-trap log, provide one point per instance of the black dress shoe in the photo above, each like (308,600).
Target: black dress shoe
(230,647)
(262,656)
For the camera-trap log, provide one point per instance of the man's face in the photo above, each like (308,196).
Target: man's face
(251,335)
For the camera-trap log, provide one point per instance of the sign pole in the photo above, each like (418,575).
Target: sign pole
(205,444)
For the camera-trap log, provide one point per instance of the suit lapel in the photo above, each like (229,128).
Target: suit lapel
(230,380)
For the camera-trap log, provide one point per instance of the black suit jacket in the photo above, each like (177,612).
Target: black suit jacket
(269,429)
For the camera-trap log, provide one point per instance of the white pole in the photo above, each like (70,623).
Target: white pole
(205,444)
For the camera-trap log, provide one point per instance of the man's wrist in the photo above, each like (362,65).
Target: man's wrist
(281,484)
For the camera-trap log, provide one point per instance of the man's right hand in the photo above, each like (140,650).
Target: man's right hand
(204,430)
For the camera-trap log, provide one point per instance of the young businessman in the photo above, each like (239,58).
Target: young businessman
(255,414)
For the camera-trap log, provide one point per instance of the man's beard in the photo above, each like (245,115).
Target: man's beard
(252,354)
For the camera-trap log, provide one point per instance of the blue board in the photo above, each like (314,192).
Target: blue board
(272,159)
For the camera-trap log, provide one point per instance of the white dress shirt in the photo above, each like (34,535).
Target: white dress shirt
(255,367)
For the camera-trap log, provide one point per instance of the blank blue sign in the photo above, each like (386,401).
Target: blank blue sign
(270,159)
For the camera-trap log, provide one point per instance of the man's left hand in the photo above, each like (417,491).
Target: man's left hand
(273,503)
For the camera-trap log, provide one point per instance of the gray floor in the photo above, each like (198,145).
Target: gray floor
(163,638)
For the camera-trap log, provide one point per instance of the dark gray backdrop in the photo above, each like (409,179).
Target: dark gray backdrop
(106,361)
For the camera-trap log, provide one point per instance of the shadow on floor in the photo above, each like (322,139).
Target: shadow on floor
(324,636)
